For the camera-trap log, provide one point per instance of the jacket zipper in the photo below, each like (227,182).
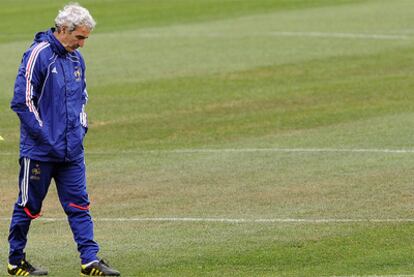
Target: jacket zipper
(66,107)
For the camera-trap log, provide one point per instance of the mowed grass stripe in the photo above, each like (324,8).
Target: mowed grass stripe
(227,250)
(224,108)
(123,14)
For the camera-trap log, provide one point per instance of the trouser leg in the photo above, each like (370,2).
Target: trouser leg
(34,181)
(71,186)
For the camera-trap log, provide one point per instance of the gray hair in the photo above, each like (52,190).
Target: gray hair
(74,15)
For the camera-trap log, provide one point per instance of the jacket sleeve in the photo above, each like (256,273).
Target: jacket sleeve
(27,89)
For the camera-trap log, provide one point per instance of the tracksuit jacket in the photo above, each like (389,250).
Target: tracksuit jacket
(49,98)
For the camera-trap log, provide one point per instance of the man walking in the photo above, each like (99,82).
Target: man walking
(49,98)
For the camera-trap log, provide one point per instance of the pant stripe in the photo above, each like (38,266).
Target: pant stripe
(27,181)
(24,186)
(22,182)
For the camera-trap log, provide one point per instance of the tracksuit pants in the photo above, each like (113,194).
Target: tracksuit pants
(34,180)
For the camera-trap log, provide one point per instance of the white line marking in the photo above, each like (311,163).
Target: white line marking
(396,275)
(260,220)
(288,150)
(342,35)
(235,220)
(299,34)
(245,150)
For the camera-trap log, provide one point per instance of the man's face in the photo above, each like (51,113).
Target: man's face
(75,39)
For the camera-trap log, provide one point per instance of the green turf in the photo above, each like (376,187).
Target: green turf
(20,19)
(236,75)
(229,250)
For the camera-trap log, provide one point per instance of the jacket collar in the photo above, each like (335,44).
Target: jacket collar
(55,44)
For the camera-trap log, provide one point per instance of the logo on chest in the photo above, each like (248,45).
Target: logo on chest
(78,74)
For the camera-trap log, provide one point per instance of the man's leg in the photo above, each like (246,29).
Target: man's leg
(34,181)
(71,186)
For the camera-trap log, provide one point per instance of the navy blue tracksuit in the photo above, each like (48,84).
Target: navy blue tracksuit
(49,98)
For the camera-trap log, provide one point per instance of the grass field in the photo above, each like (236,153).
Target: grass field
(233,138)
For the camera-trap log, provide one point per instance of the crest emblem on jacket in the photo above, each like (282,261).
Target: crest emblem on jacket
(35,173)
(78,74)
